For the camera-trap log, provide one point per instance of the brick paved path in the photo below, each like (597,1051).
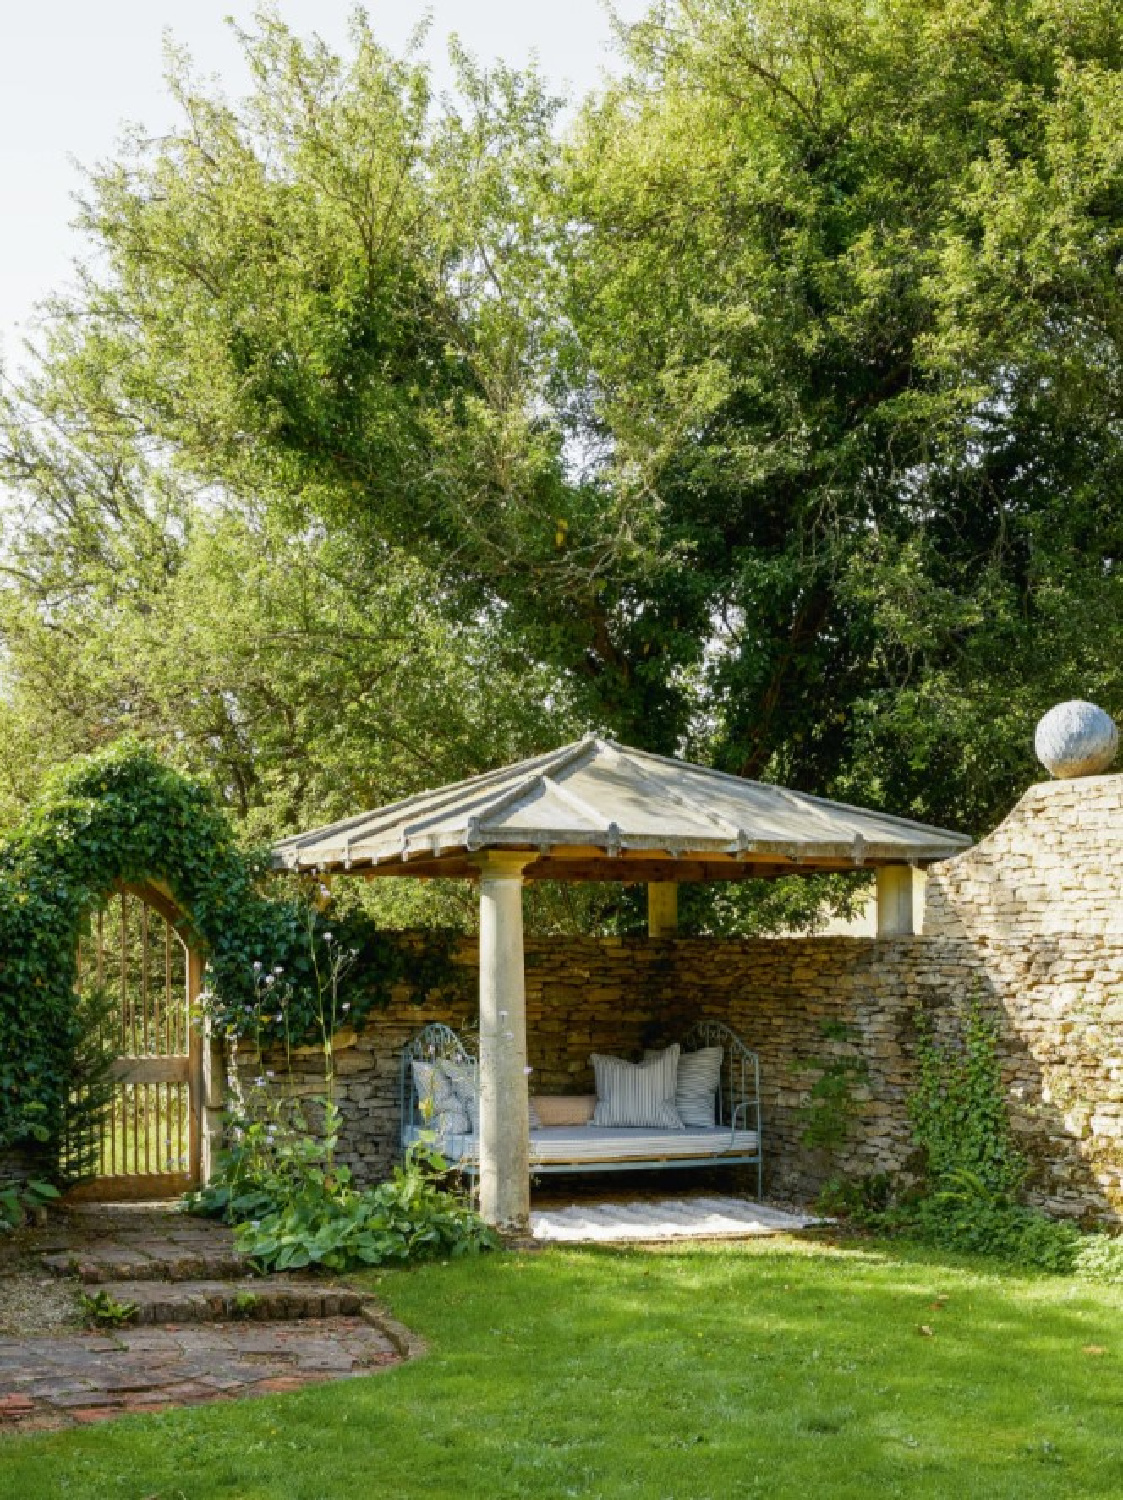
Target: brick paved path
(192,1339)
(89,1377)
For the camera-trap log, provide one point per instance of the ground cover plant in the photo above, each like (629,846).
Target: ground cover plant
(774,1369)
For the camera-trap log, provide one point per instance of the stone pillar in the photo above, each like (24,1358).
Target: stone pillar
(504,1110)
(894,901)
(662,909)
(206,1080)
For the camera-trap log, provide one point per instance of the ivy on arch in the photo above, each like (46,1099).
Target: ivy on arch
(121,816)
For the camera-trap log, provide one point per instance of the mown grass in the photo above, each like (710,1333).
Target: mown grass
(773,1369)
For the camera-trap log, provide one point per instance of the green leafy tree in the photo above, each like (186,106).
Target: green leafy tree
(847,304)
(770,412)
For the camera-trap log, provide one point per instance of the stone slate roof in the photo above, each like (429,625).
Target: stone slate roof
(596,810)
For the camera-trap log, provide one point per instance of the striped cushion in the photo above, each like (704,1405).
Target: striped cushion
(582,1144)
(637,1094)
(450,1122)
(699,1075)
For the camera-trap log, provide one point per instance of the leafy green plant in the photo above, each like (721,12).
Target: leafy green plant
(830,1107)
(331,1224)
(958,1108)
(860,1199)
(969,1198)
(18,1200)
(90,1083)
(102,1310)
(279,1183)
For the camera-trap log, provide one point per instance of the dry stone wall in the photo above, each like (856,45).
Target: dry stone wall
(1036,912)
(1031,920)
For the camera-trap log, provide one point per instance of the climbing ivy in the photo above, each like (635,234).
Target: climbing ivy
(959,1110)
(121,816)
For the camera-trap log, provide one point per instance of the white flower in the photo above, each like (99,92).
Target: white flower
(257,965)
(327,937)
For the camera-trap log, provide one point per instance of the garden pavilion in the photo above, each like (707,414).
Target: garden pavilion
(596,810)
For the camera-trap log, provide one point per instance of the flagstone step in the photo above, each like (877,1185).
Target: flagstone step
(154,1261)
(264,1299)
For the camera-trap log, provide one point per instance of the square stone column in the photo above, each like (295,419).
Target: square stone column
(504,1106)
(894,901)
(662,909)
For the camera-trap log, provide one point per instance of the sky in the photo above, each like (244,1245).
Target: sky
(73,72)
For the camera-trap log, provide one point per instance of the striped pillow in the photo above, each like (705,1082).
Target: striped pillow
(631,1094)
(699,1077)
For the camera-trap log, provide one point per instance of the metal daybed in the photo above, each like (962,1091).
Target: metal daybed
(734,1139)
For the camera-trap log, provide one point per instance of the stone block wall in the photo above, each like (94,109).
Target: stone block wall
(1036,911)
(1031,920)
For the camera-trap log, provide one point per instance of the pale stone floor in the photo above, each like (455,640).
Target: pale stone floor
(647,1219)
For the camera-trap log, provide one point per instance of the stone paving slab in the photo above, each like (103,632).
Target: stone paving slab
(89,1377)
(649,1219)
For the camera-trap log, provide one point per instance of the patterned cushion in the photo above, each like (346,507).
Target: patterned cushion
(435,1094)
(565,1109)
(448,1122)
(637,1094)
(699,1076)
(464,1077)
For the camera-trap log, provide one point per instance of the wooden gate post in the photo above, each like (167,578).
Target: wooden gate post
(206,1079)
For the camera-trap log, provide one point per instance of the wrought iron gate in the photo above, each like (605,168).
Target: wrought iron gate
(149,1139)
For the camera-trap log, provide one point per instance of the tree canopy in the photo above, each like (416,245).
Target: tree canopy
(766,408)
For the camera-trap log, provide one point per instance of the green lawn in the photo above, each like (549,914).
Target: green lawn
(772,1369)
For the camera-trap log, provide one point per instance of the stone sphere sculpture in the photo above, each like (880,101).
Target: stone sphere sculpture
(1076,739)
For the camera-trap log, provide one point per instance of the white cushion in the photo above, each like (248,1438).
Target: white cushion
(637,1094)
